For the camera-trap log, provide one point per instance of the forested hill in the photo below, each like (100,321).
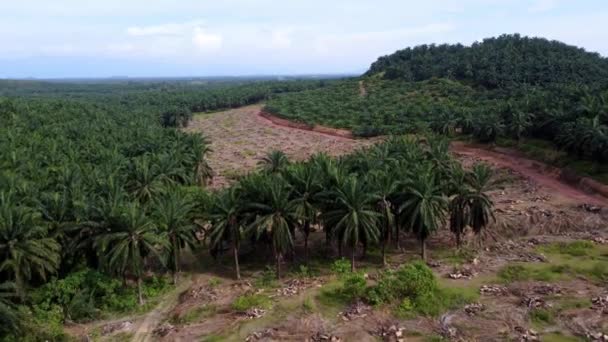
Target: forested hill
(504,61)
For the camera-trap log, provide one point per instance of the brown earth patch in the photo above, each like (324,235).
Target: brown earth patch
(241,137)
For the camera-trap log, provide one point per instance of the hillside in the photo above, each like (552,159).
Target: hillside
(507,88)
(504,61)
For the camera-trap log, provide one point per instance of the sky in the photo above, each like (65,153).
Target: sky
(183,38)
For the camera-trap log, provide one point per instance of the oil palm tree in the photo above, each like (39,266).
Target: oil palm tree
(225,215)
(459,203)
(274,162)
(385,186)
(304,182)
(125,244)
(26,250)
(352,215)
(173,215)
(480,204)
(275,216)
(424,208)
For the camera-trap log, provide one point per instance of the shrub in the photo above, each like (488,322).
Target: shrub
(340,267)
(353,285)
(415,279)
(246,302)
(541,316)
(267,279)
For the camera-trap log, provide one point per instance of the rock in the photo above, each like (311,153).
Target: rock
(597,337)
(474,309)
(591,208)
(527,335)
(164,330)
(465,273)
(546,289)
(493,290)
(600,303)
(433,264)
(116,327)
(600,240)
(354,311)
(254,313)
(321,337)
(391,333)
(258,335)
(534,302)
(205,293)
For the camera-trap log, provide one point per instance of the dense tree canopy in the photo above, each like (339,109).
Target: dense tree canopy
(497,62)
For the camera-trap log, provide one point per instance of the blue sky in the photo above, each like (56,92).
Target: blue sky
(138,38)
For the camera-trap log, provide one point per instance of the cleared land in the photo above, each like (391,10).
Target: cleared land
(241,137)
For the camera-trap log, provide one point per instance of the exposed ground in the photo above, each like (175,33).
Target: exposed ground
(241,137)
(531,280)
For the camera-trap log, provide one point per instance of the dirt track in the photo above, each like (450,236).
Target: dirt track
(300,142)
(541,174)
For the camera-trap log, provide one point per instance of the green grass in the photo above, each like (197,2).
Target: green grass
(575,249)
(558,337)
(213,338)
(246,302)
(518,272)
(195,315)
(455,257)
(542,317)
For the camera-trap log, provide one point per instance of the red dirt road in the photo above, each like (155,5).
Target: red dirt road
(543,175)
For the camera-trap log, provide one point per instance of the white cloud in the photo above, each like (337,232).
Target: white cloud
(204,41)
(281,38)
(543,6)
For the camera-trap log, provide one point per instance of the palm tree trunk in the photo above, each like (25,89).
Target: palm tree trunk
(140,297)
(279,266)
(364,250)
(458,240)
(235,253)
(423,249)
(384,252)
(175,261)
(277,260)
(352,259)
(397,242)
(340,249)
(306,234)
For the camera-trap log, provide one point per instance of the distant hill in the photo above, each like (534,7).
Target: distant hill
(504,61)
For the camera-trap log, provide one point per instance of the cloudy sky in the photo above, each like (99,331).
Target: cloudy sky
(92,38)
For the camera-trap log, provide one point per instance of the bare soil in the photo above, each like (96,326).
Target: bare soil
(241,137)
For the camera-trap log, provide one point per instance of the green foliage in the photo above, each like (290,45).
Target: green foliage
(415,289)
(246,302)
(308,305)
(195,314)
(268,278)
(575,249)
(341,267)
(496,62)
(353,285)
(84,295)
(542,316)
(176,117)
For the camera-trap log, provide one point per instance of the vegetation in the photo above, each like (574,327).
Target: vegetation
(507,87)
(99,190)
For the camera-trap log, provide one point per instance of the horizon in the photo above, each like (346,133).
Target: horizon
(67,39)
